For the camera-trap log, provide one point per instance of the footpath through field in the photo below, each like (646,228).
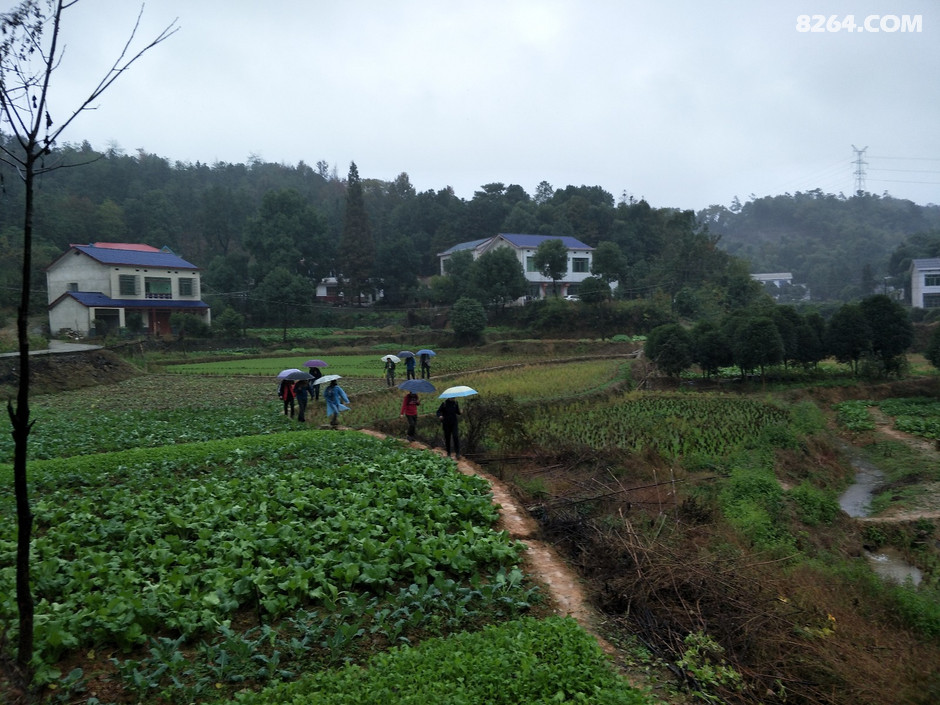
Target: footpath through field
(542,562)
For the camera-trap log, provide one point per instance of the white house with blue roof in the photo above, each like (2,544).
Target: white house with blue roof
(92,288)
(580,259)
(925,283)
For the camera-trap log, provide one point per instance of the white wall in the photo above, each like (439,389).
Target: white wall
(69,314)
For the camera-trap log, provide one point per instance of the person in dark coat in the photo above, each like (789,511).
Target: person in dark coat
(302,392)
(315,388)
(390,372)
(425,366)
(410,368)
(448,412)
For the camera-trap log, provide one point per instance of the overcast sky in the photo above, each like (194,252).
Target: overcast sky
(683,103)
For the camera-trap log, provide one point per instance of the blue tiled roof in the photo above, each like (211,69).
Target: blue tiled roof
(465,246)
(135,258)
(533,241)
(97,299)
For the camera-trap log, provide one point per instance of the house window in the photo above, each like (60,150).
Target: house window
(73,286)
(530,264)
(579,264)
(931,300)
(932,280)
(158,288)
(186,286)
(127,285)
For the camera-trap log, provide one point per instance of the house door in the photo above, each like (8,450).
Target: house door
(160,322)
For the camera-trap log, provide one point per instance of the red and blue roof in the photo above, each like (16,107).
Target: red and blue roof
(117,254)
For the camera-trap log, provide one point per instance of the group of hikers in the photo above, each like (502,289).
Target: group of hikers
(302,390)
(390,363)
(447,413)
(297,393)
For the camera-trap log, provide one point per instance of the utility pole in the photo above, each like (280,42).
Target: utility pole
(860,165)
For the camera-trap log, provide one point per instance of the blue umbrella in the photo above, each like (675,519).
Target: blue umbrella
(421,386)
(430,353)
(459,391)
(405,353)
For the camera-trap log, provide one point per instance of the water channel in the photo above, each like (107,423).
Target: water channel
(856,502)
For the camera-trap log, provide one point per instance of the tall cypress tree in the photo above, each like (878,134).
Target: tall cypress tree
(357,248)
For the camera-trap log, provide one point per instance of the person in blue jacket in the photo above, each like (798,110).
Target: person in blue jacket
(302,392)
(336,401)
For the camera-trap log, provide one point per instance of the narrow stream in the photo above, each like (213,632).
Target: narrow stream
(856,502)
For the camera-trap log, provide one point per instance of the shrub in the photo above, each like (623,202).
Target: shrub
(186,324)
(814,506)
(230,322)
(468,319)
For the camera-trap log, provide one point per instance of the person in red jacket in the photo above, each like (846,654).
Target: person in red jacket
(409,409)
(285,391)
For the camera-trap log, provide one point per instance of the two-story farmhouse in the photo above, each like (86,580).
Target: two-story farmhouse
(580,258)
(92,288)
(925,283)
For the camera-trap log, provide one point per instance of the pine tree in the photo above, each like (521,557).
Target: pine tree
(357,247)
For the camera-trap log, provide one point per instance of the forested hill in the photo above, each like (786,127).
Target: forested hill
(260,227)
(241,222)
(840,248)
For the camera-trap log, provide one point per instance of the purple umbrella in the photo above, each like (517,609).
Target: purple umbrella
(315,363)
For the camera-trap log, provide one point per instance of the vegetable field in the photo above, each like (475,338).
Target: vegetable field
(327,542)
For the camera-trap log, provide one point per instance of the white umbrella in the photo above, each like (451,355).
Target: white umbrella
(458,391)
(326,379)
(393,358)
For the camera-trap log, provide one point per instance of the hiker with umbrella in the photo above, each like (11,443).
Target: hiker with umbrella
(287,389)
(425,357)
(409,405)
(448,412)
(314,367)
(390,361)
(409,358)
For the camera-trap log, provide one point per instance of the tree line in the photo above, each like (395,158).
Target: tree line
(871,336)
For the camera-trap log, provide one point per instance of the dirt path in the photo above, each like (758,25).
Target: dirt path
(541,561)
